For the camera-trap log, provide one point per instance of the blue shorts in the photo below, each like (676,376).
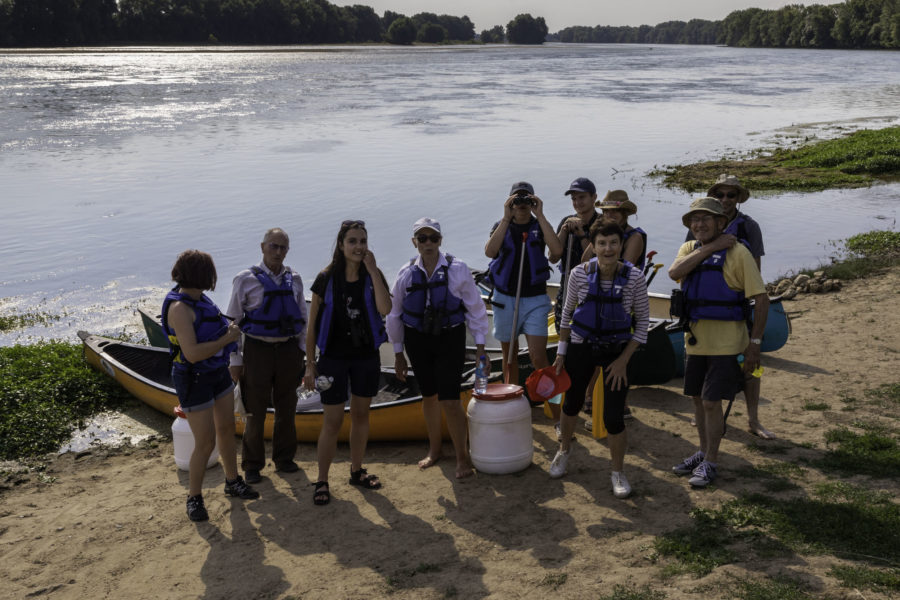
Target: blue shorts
(199,391)
(532,319)
(361,374)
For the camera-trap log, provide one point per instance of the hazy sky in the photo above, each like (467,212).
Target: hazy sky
(564,13)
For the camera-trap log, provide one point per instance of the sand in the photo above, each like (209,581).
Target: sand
(110,523)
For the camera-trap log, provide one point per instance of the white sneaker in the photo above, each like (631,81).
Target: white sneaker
(558,466)
(620,485)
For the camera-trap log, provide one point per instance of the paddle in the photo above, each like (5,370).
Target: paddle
(649,261)
(514,338)
(656,268)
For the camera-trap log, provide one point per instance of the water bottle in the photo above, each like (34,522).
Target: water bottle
(482,370)
(323,382)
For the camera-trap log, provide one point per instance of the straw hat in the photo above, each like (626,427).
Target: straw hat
(729,181)
(707,205)
(617,200)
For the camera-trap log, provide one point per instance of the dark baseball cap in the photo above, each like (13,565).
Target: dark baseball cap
(522,186)
(582,184)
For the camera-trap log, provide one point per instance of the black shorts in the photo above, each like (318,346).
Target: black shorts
(198,390)
(581,361)
(712,377)
(437,360)
(360,374)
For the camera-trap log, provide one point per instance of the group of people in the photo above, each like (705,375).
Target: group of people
(267,339)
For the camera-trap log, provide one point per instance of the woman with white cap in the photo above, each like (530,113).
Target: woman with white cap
(434,299)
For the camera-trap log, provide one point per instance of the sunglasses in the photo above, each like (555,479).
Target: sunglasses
(275,246)
(729,195)
(426,237)
(352,223)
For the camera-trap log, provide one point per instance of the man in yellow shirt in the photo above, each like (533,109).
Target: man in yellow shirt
(718,277)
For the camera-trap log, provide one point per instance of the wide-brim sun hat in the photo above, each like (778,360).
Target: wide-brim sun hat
(725,180)
(618,200)
(707,205)
(544,383)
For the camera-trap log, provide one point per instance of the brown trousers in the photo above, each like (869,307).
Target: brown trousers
(271,372)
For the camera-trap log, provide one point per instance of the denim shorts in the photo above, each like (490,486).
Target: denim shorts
(199,391)
(532,320)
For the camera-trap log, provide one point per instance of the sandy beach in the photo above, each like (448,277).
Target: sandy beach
(110,523)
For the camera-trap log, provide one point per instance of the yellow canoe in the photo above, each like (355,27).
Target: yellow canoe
(395,414)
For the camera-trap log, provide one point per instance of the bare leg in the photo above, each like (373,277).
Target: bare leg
(431,408)
(327,445)
(712,429)
(751,395)
(567,425)
(617,446)
(204,430)
(456,423)
(223,415)
(359,430)
(510,368)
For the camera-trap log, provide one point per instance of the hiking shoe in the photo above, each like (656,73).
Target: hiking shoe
(252,476)
(558,466)
(240,489)
(626,414)
(196,511)
(287,467)
(689,464)
(703,474)
(621,487)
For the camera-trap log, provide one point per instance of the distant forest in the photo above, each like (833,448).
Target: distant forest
(27,23)
(851,24)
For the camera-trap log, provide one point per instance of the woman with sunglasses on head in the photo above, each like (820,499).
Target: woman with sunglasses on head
(523,225)
(200,342)
(605,319)
(349,298)
(434,298)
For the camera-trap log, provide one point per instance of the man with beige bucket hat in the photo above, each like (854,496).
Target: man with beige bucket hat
(718,276)
(730,193)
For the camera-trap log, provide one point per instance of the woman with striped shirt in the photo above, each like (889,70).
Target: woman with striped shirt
(604,320)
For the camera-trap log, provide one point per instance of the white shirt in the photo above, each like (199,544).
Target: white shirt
(247,295)
(634,299)
(459,283)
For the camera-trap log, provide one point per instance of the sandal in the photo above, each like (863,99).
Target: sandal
(321,497)
(364,480)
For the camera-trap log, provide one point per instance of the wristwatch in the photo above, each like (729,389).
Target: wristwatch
(757,341)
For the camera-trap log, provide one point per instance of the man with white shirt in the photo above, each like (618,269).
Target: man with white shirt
(434,299)
(267,301)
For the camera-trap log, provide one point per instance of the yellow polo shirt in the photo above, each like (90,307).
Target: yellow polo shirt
(717,338)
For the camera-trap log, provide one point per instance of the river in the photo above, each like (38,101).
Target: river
(114,160)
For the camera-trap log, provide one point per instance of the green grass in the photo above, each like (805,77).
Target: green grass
(869,453)
(10,322)
(856,160)
(839,519)
(629,592)
(815,406)
(46,390)
(554,580)
(879,580)
(779,588)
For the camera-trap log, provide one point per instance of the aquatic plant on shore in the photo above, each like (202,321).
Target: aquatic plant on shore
(856,160)
(46,390)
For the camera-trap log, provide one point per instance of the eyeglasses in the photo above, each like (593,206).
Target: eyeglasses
(434,238)
(729,195)
(352,223)
(275,246)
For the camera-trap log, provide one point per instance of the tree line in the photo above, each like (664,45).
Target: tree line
(853,24)
(27,23)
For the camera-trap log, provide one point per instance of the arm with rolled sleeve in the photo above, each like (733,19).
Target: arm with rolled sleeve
(235,310)
(301,302)
(393,322)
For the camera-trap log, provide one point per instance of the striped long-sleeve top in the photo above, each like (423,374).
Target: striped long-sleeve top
(634,300)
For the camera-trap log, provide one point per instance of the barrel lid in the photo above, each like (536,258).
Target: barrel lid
(179,413)
(499,391)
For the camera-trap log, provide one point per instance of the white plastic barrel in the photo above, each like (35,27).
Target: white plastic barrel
(500,429)
(183,440)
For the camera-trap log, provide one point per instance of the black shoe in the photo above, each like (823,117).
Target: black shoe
(240,489)
(287,467)
(196,511)
(252,476)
